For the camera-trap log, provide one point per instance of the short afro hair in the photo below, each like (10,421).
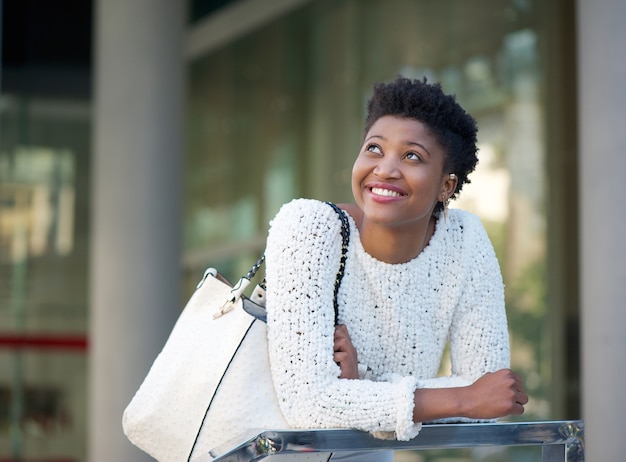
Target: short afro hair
(426,102)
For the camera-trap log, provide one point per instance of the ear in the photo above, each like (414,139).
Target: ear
(448,186)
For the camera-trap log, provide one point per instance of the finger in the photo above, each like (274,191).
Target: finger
(519,387)
(508,373)
(522,398)
(342,329)
(340,332)
(341,344)
(519,382)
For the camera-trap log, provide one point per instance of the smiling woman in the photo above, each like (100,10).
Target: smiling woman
(397,181)
(415,278)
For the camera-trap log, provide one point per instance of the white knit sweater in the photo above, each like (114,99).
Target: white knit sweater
(399,317)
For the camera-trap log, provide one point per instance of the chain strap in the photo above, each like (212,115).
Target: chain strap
(256,268)
(345,241)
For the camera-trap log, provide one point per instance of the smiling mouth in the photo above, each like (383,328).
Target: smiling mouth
(385,192)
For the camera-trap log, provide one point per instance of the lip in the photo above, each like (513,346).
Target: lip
(399,192)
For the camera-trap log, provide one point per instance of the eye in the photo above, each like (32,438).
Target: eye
(413,156)
(374,148)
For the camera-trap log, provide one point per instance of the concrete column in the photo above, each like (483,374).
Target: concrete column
(135,259)
(602,132)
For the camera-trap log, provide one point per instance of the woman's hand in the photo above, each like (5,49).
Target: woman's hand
(496,394)
(345,354)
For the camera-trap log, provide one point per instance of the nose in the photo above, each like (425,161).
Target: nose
(387,167)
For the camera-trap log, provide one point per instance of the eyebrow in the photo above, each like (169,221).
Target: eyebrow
(410,143)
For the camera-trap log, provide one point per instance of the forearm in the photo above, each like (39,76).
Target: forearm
(439,403)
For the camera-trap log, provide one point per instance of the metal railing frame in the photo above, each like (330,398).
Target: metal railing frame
(561,441)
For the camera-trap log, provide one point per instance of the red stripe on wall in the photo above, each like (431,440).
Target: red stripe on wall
(38,460)
(43,342)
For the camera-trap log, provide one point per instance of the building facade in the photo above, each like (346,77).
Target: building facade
(190,124)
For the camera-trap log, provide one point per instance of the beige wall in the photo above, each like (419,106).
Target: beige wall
(602,134)
(135,265)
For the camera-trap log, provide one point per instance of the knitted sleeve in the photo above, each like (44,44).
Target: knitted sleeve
(479,340)
(302,259)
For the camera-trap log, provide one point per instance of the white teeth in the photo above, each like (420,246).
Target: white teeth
(385,192)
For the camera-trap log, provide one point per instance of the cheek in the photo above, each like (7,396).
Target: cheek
(357,178)
(360,168)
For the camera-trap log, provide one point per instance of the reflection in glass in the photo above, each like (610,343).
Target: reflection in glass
(43,279)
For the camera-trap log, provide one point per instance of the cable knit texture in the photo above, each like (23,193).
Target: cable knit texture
(399,316)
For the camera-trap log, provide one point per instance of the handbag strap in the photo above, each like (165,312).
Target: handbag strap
(345,241)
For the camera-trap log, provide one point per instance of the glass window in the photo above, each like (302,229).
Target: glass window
(43,278)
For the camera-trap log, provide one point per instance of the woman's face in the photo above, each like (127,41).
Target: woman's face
(398,176)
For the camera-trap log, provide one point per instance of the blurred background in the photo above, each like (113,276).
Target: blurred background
(142,141)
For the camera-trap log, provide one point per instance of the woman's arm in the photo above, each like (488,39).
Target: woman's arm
(302,259)
(481,386)
(495,394)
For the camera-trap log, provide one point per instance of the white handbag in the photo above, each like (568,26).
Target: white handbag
(212,382)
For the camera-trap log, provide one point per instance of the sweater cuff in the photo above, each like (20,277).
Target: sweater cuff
(406,429)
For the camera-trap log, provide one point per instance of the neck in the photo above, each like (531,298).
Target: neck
(395,245)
